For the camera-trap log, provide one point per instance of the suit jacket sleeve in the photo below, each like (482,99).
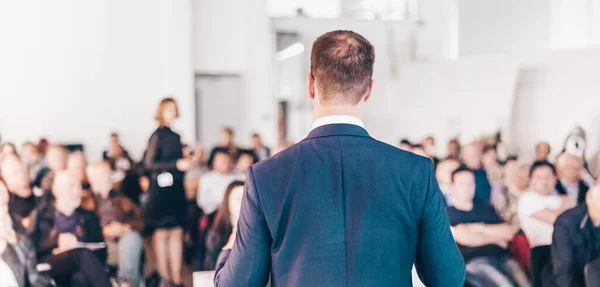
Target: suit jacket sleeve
(562,256)
(438,260)
(249,261)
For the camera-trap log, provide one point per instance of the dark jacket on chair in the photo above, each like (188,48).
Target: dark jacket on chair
(583,189)
(45,236)
(21,259)
(342,209)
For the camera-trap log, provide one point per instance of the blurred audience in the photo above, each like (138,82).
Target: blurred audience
(576,242)
(443,174)
(32,159)
(121,224)
(541,205)
(569,169)
(482,236)
(542,151)
(405,144)
(453,149)
(60,233)
(210,195)
(471,157)
(18,262)
(259,148)
(245,160)
(490,162)
(515,183)
(22,200)
(226,219)
(56,159)
(226,143)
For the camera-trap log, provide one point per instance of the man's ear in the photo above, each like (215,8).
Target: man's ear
(311,86)
(369,90)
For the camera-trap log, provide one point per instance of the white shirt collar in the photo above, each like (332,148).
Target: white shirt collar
(337,119)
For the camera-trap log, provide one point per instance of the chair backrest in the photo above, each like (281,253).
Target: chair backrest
(592,273)
(540,259)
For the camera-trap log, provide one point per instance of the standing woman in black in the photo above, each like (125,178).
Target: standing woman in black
(166,210)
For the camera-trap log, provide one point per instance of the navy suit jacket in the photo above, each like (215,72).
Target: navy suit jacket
(342,209)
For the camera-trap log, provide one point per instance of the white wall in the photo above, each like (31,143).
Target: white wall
(74,71)
(234,37)
(503,27)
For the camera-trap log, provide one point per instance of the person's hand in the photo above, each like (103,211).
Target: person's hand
(502,243)
(183,164)
(66,242)
(231,241)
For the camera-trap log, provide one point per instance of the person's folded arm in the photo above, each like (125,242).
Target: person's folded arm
(466,235)
(547,215)
(248,263)
(502,231)
(562,257)
(438,261)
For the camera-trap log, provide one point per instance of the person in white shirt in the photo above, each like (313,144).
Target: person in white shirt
(541,205)
(213,184)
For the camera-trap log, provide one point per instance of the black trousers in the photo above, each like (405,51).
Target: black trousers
(77,268)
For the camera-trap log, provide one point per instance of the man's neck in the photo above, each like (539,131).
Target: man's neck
(463,205)
(65,210)
(337,110)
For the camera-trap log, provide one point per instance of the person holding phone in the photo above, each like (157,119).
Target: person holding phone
(166,208)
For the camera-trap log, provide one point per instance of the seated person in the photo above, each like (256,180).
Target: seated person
(443,174)
(541,205)
(576,241)
(17,255)
(210,195)
(32,159)
(213,184)
(569,169)
(506,199)
(482,236)
(471,157)
(246,159)
(22,201)
(76,165)
(121,224)
(59,230)
(56,159)
(226,218)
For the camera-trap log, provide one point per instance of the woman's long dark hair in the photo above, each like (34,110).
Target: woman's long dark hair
(222,223)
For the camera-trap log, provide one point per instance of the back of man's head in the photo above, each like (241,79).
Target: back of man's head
(342,67)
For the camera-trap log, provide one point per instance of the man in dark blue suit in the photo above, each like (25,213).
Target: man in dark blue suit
(340,208)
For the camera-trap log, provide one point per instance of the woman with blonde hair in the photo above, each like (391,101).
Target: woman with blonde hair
(166,207)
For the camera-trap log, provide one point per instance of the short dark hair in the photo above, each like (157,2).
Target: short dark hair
(341,63)
(540,164)
(219,150)
(405,141)
(461,168)
(228,130)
